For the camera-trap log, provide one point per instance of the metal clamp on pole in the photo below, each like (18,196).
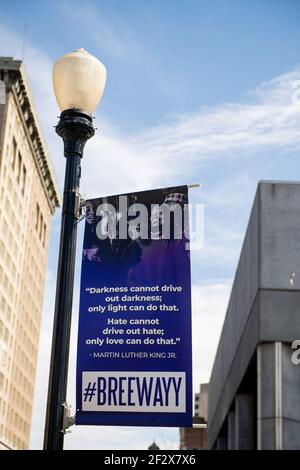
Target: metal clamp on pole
(82,202)
(81,210)
(78,205)
(68,420)
(199,426)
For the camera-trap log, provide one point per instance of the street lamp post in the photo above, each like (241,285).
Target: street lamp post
(79,81)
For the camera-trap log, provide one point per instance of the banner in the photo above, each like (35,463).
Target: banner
(134,355)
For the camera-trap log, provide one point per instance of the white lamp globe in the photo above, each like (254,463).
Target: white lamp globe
(78,80)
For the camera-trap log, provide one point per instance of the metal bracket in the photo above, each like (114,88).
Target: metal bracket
(82,202)
(79,205)
(68,420)
(81,212)
(199,426)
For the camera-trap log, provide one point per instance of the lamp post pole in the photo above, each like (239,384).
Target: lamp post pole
(79,80)
(75,127)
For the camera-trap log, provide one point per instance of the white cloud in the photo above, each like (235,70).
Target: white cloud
(230,128)
(209,303)
(175,151)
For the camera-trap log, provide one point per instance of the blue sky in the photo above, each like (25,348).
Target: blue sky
(197,91)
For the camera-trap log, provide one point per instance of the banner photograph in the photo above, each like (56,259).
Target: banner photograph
(134,355)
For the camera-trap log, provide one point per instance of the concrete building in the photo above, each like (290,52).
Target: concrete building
(28,198)
(254,390)
(195,437)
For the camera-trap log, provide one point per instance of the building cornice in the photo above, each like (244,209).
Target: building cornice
(16,82)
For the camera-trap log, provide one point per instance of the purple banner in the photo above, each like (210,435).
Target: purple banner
(134,359)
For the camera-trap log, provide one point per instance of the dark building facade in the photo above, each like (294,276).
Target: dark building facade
(254,390)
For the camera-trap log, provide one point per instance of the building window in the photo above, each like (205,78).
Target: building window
(19,167)
(37,220)
(14,155)
(40,225)
(24,180)
(44,234)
